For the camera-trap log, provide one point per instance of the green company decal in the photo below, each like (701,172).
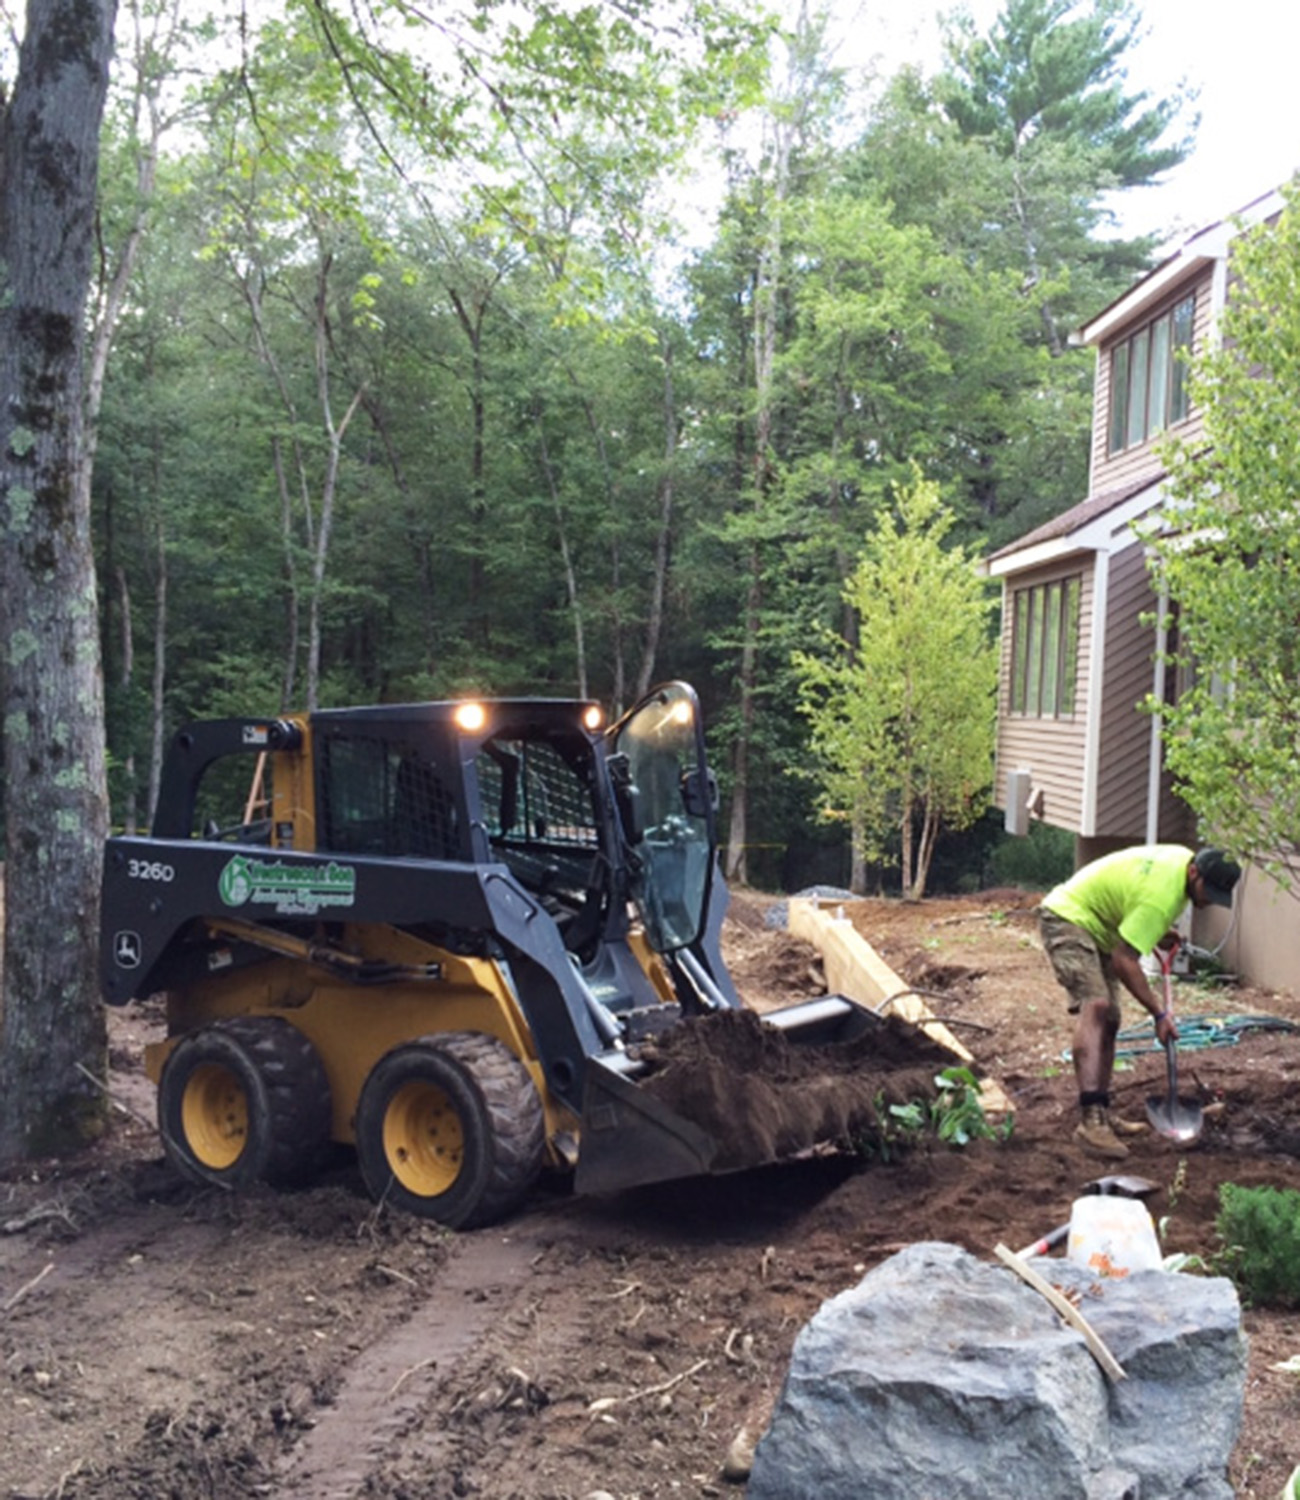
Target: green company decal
(292,890)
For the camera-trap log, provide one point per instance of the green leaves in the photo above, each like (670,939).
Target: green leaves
(957,1112)
(902,718)
(1229,557)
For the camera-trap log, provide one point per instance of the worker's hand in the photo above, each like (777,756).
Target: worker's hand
(1166,1030)
(1168,946)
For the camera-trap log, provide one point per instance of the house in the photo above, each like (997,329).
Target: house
(1081,642)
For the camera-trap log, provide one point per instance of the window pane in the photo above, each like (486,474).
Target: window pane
(1070,646)
(1184,314)
(1034,671)
(1118,397)
(1137,389)
(1051,648)
(1019,629)
(1160,370)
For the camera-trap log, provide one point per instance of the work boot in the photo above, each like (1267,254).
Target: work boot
(1095,1135)
(1126,1127)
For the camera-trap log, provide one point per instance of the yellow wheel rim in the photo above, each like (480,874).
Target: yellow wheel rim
(423,1139)
(214,1116)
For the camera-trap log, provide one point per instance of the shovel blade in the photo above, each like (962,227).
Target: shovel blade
(1174,1118)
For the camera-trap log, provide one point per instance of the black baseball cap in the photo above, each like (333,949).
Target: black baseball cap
(1220,875)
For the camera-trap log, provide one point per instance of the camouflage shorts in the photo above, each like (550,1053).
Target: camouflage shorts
(1081,968)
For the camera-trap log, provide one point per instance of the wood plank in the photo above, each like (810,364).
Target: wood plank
(853,968)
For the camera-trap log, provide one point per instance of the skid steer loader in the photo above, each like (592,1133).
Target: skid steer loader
(443,933)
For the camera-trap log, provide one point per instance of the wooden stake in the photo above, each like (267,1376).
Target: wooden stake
(1067,1310)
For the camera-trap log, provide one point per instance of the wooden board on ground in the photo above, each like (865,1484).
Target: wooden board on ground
(854,968)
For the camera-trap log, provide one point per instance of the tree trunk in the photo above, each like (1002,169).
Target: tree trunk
(857,859)
(925,851)
(905,851)
(334,435)
(667,497)
(737,864)
(126,680)
(158,698)
(52,1033)
(472,320)
(566,559)
(292,607)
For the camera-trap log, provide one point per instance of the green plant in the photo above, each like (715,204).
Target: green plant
(1036,861)
(1260,1229)
(957,1113)
(896,1128)
(956,1116)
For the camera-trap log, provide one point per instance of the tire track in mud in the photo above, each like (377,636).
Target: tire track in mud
(391,1383)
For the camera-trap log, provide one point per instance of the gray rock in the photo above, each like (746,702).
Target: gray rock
(942,1374)
(777,916)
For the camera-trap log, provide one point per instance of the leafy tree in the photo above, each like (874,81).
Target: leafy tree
(1044,94)
(53,1035)
(768,200)
(1011,157)
(1229,559)
(902,718)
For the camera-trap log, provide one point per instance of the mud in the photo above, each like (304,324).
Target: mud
(161,1341)
(762,1097)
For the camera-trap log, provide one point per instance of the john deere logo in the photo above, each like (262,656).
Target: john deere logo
(293,890)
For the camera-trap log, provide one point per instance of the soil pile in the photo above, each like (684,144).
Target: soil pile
(763,1096)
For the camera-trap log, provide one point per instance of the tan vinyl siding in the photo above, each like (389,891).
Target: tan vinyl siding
(1118,470)
(1130,672)
(1051,749)
(1123,782)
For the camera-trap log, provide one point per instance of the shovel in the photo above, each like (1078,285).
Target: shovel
(1174,1118)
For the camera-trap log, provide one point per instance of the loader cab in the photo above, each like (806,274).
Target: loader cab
(536,784)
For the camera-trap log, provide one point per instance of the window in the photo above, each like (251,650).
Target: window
(1045,649)
(1148,378)
(382,795)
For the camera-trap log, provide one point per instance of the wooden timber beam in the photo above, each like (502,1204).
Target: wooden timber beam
(854,968)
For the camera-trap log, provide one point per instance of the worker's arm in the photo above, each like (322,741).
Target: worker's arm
(1130,973)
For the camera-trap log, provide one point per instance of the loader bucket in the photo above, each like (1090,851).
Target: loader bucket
(732,1090)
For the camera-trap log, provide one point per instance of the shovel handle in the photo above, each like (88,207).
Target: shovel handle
(1166,960)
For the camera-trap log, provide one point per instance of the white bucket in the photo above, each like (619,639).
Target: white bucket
(1112,1236)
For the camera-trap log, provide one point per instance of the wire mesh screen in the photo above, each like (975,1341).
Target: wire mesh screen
(532,794)
(380,796)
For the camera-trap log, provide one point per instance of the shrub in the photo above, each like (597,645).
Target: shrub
(1038,861)
(1260,1229)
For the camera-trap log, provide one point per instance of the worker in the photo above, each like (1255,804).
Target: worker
(1096,928)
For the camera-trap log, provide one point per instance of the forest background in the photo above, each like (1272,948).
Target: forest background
(401,380)
(410,387)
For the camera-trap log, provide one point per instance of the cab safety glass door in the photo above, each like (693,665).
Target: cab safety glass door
(675,796)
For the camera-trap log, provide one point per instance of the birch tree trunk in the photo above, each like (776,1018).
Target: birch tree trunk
(566,559)
(663,537)
(55,799)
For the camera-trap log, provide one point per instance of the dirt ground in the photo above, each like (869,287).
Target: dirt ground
(157,1340)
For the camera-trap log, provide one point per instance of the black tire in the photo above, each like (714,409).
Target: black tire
(450,1128)
(245,1100)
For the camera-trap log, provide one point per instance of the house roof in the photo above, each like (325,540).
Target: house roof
(1075,519)
(1207,244)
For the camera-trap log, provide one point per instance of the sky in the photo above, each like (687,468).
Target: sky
(1243,57)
